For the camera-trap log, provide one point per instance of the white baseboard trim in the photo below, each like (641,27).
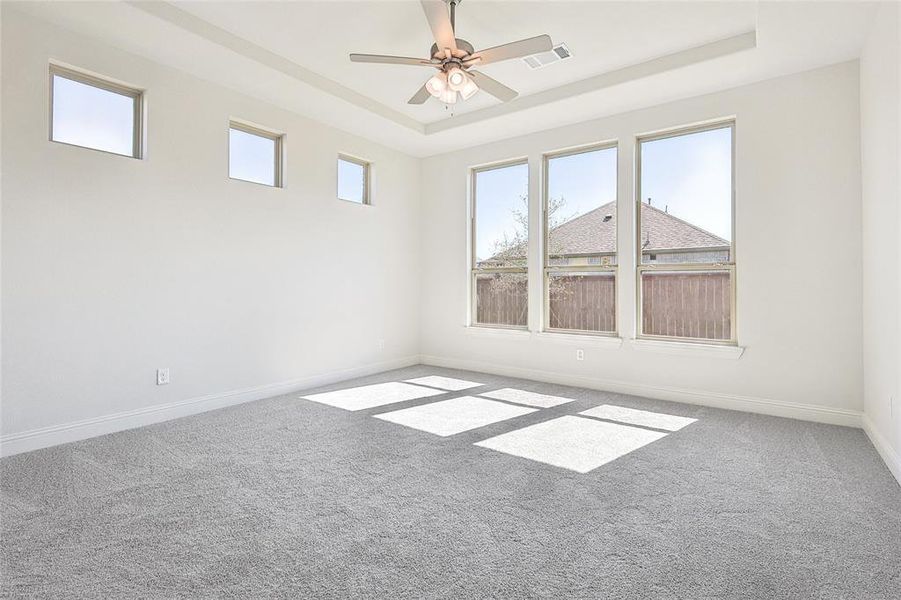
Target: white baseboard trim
(25,441)
(889,455)
(777,408)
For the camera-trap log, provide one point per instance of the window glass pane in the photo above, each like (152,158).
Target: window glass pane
(582,301)
(581,209)
(686,194)
(251,157)
(692,304)
(502,299)
(351,181)
(502,217)
(92,117)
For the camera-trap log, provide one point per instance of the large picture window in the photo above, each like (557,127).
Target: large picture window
(686,263)
(500,245)
(580,240)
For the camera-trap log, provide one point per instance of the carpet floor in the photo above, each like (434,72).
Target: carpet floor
(295,498)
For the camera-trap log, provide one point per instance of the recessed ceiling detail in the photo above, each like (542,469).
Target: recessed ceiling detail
(625,56)
(738,43)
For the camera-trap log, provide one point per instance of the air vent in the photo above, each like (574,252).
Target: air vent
(556,54)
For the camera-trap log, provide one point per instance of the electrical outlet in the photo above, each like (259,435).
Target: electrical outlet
(381,345)
(580,354)
(162,376)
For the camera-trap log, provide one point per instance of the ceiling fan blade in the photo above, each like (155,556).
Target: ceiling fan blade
(540,43)
(493,86)
(392,60)
(440,23)
(420,96)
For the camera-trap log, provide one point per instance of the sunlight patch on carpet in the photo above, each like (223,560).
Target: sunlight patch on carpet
(449,417)
(370,396)
(573,443)
(527,398)
(444,383)
(641,418)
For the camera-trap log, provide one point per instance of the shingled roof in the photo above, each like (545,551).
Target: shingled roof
(592,234)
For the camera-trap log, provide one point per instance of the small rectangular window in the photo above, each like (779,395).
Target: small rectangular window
(686,265)
(500,245)
(353,179)
(580,240)
(93,113)
(254,155)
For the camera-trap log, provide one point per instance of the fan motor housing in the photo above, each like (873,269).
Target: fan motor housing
(461,45)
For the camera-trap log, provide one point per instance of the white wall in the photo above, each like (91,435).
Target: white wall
(113,267)
(798,241)
(880,103)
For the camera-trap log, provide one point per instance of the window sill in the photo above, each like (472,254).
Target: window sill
(581,339)
(688,349)
(497,332)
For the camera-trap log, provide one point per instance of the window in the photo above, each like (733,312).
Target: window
(254,155)
(686,259)
(93,113)
(500,245)
(353,179)
(580,240)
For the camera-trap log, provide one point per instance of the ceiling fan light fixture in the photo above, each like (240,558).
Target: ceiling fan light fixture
(452,56)
(448,96)
(469,88)
(437,84)
(456,79)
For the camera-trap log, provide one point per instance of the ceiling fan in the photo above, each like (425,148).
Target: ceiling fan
(454,59)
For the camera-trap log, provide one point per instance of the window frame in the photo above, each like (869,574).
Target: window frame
(642,268)
(367,178)
(548,271)
(278,138)
(474,271)
(108,85)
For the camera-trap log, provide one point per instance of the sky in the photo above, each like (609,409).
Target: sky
(690,175)
(584,181)
(88,116)
(251,157)
(499,193)
(351,181)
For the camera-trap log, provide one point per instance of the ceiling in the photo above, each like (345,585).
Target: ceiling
(296,31)
(626,55)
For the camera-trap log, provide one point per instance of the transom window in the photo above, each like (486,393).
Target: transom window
(685,250)
(500,245)
(254,155)
(353,179)
(95,113)
(580,240)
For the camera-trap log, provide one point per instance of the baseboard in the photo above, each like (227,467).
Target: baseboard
(889,455)
(777,408)
(54,435)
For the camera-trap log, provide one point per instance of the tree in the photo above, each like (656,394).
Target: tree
(511,289)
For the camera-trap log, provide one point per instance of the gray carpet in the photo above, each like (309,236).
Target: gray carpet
(286,498)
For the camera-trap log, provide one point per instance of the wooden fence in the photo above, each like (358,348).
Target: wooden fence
(502,299)
(682,304)
(582,302)
(686,304)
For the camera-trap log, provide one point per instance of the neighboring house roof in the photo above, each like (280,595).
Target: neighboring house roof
(591,234)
